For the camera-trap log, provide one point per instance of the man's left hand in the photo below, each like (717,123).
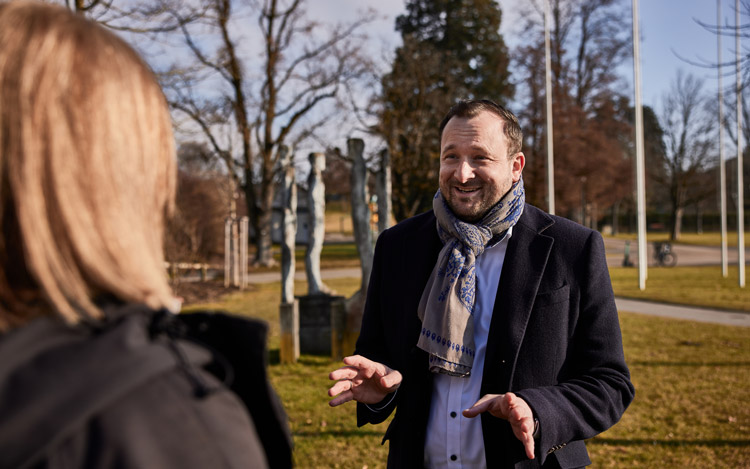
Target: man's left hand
(513,409)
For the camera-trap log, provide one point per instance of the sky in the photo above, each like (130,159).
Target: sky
(668,30)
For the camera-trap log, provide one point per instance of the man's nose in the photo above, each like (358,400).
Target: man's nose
(464,171)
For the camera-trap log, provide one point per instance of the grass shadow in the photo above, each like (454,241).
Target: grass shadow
(667,443)
(338,433)
(689,364)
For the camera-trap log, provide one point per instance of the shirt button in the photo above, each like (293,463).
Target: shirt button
(453,415)
(453,457)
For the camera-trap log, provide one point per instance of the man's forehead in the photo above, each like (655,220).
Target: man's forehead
(480,115)
(484,118)
(474,145)
(474,131)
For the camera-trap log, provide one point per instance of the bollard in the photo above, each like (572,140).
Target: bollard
(289,315)
(626,262)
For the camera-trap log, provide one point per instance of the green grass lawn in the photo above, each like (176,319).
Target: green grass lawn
(691,407)
(697,286)
(692,392)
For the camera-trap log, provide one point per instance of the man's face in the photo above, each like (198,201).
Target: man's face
(475,171)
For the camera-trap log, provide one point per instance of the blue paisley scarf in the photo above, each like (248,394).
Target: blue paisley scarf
(447,305)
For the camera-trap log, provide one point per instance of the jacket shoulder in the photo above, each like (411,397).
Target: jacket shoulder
(538,220)
(423,221)
(422,228)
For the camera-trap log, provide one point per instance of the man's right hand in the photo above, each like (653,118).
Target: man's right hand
(362,380)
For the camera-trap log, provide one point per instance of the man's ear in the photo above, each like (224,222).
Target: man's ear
(517,163)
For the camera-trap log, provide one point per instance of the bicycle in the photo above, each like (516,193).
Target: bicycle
(664,255)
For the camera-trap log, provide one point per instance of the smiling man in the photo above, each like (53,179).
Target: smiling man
(490,326)
(478,164)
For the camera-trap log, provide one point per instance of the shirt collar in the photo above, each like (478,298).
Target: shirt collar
(499,238)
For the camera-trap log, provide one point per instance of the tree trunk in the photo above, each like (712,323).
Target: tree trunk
(361,209)
(676,224)
(251,202)
(263,255)
(616,217)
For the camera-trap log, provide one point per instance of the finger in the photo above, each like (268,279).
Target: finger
(521,418)
(519,410)
(339,387)
(526,425)
(342,398)
(480,406)
(346,372)
(528,444)
(358,361)
(471,413)
(367,367)
(391,381)
(523,428)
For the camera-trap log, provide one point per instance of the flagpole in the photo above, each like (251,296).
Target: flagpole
(722,164)
(740,166)
(639,155)
(548,85)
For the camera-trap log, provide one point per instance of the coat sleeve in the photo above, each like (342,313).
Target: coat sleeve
(594,387)
(372,341)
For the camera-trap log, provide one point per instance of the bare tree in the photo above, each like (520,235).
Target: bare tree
(138,16)
(301,68)
(588,41)
(294,86)
(690,146)
(195,231)
(730,30)
(730,126)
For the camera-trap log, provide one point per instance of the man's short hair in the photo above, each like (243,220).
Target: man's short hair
(468,108)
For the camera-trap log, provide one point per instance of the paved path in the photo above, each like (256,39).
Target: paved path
(732,318)
(686,254)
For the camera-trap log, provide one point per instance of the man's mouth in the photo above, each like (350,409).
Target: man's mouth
(467,190)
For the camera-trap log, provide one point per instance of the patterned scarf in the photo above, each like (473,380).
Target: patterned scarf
(447,305)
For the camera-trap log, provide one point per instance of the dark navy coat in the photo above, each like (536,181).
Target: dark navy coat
(554,340)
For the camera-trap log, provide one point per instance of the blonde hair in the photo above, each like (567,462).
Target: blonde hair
(87,168)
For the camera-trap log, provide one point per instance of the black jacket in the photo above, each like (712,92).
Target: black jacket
(133,392)
(554,340)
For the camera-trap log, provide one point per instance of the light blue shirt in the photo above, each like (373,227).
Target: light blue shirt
(454,441)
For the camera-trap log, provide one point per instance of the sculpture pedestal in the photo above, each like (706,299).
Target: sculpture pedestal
(290,344)
(316,334)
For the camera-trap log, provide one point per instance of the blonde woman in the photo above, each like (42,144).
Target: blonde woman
(94,370)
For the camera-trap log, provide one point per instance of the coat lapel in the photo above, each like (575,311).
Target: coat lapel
(525,261)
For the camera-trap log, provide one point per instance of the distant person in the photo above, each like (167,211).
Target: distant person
(487,307)
(95,369)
